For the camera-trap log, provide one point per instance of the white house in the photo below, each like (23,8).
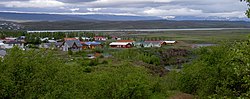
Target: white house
(170,42)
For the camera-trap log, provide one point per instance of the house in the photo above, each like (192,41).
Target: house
(154,43)
(73,45)
(151,44)
(139,44)
(11,44)
(52,41)
(100,38)
(86,38)
(2,53)
(170,42)
(121,45)
(91,45)
(10,38)
(116,38)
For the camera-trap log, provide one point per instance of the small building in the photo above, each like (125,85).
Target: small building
(91,45)
(139,44)
(73,45)
(154,43)
(52,41)
(11,44)
(86,38)
(100,38)
(121,45)
(151,44)
(170,42)
(10,38)
(116,38)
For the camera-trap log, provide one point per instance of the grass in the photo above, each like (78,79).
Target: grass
(199,36)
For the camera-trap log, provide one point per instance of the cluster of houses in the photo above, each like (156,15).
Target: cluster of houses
(146,44)
(77,44)
(9,43)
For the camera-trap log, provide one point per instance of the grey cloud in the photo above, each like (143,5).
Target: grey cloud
(225,8)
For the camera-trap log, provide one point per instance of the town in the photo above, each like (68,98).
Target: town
(79,43)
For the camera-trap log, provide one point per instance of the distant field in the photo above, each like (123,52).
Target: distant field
(214,36)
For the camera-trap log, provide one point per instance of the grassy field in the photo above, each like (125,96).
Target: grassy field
(199,36)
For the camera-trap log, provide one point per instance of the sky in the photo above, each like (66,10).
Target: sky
(161,8)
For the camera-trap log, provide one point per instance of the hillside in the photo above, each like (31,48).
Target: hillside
(158,24)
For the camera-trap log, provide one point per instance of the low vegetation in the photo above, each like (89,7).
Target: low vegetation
(218,71)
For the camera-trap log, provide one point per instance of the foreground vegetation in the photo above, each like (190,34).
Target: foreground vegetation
(217,72)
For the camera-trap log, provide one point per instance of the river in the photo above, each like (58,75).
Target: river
(138,30)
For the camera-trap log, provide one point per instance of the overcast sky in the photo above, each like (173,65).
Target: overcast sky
(160,8)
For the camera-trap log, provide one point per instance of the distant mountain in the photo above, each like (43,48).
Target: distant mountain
(118,17)
(96,21)
(24,17)
(37,17)
(6,16)
(182,18)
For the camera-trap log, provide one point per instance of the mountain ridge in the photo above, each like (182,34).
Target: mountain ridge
(32,17)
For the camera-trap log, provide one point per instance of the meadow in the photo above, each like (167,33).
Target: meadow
(211,36)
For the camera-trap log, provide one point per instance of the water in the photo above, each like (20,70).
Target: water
(138,30)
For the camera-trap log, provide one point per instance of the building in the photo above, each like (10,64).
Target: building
(86,38)
(121,45)
(170,42)
(100,38)
(154,43)
(73,45)
(139,44)
(11,44)
(91,45)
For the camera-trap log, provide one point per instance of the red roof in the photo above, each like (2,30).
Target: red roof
(125,41)
(68,39)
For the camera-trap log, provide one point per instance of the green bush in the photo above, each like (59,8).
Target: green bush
(134,54)
(39,74)
(219,71)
